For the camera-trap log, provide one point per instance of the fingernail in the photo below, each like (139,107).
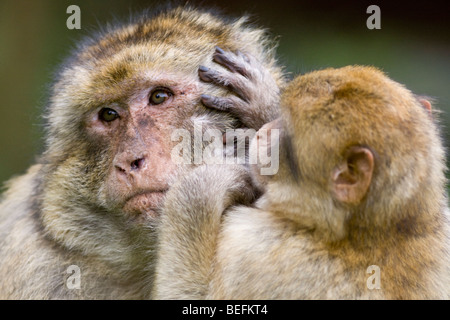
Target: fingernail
(203,68)
(205,96)
(219,50)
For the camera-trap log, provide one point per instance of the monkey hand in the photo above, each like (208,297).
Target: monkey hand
(256,93)
(209,190)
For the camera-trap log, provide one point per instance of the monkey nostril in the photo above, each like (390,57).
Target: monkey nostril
(122,170)
(137,164)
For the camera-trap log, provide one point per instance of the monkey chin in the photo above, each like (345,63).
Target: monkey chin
(144,206)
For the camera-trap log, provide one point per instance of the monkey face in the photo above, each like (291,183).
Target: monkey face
(135,130)
(117,137)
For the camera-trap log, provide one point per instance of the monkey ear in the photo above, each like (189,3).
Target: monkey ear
(426,104)
(351,178)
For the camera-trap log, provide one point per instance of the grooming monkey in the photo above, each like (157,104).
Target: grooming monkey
(360,183)
(92,200)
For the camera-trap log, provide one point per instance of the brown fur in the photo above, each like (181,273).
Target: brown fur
(361,182)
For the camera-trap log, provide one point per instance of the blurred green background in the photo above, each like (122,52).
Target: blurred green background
(413,47)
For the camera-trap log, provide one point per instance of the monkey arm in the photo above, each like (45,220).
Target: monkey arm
(190,224)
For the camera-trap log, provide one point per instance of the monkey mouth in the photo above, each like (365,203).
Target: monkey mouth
(145,203)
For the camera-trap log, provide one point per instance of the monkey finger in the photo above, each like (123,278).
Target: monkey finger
(228,104)
(234,82)
(243,56)
(234,62)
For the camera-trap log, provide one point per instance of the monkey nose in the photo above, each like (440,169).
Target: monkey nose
(127,166)
(137,164)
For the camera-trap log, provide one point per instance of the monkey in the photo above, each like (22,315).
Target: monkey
(80,223)
(356,210)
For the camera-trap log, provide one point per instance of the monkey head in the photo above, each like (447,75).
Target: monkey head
(357,150)
(117,101)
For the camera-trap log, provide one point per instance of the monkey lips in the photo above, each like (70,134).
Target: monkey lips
(144,205)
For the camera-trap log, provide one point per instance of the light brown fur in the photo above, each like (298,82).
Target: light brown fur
(71,207)
(361,183)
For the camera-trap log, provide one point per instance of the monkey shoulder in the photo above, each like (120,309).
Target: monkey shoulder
(32,265)
(19,199)
(24,251)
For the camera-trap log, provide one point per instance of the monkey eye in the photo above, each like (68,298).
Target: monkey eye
(159,96)
(108,115)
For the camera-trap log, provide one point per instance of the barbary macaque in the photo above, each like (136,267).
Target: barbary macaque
(80,224)
(357,209)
